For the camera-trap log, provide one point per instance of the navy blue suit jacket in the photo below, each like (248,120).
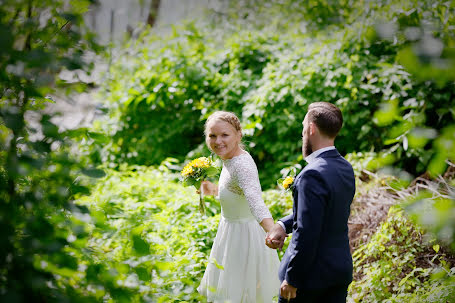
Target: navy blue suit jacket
(318,255)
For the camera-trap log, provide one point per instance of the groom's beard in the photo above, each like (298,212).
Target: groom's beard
(307,148)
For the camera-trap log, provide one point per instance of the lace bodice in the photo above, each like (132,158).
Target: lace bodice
(240,176)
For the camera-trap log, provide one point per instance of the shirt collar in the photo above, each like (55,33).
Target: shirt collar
(316,153)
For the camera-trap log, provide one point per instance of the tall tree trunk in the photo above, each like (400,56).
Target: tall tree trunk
(153,13)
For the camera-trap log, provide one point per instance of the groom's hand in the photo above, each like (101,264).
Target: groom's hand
(274,244)
(275,237)
(287,291)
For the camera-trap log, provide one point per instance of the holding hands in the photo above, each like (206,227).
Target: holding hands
(275,237)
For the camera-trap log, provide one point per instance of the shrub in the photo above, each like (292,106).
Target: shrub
(397,265)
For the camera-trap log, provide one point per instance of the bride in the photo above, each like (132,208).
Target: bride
(241,267)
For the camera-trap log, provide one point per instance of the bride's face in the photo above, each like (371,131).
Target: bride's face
(223,139)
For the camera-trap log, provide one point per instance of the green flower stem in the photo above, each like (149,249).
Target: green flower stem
(201,202)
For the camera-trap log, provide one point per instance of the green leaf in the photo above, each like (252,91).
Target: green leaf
(13,119)
(49,128)
(189,182)
(143,273)
(92,272)
(387,114)
(99,137)
(121,295)
(197,184)
(140,246)
(94,172)
(211,171)
(436,248)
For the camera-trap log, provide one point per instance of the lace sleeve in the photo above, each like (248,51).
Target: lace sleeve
(247,177)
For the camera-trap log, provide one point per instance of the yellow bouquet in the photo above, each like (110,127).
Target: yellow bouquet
(197,171)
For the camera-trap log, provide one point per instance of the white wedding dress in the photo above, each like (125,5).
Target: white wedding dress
(241,268)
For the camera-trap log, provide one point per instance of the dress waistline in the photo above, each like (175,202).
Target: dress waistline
(238,220)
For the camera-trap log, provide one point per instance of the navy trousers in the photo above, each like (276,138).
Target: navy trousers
(334,294)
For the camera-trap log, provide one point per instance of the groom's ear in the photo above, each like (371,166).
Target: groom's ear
(313,128)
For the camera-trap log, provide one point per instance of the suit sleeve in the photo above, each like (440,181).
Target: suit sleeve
(312,198)
(287,221)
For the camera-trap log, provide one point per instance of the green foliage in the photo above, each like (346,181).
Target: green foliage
(145,227)
(138,236)
(39,40)
(267,66)
(395,266)
(424,133)
(435,212)
(157,114)
(145,231)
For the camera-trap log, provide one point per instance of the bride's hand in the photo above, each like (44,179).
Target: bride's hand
(275,237)
(208,188)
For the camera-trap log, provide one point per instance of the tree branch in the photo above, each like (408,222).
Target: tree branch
(28,40)
(55,33)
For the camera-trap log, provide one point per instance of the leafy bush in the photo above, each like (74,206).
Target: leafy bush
(148,230)
(269,71)
(433,207)
(397,265)
(39,40)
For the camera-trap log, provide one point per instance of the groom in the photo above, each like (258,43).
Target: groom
(317,266)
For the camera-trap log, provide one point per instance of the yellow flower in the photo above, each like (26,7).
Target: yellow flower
(187,170)
(195,166)
(288,182)
(201,162)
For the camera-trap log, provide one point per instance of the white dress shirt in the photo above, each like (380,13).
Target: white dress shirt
(316,153)
(309,159)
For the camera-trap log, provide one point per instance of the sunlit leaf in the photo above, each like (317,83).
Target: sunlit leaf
(387,113)
(436,248)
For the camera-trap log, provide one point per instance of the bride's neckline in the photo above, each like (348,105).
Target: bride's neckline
(238,156)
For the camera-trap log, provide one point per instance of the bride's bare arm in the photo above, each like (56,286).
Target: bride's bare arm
(267,224)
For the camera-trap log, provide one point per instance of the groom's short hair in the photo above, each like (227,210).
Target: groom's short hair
(327,117)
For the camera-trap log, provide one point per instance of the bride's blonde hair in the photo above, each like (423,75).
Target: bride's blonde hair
(228,117)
